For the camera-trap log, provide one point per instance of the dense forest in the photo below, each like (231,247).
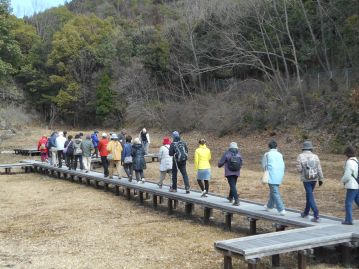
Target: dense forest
(213,65)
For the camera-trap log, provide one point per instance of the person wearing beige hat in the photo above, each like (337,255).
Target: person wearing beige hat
(308,165)
(114,149)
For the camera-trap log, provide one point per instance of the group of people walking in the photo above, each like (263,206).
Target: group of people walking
(121,150)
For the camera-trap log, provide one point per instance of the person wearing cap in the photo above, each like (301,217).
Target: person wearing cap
(350,181)
(138,157)
(114,149)
(179,151)
(95,142)
(145,140)
(202,157)
(127,158)
(274,163)
(102,148)
(308,165)
(165,160)
(87,147)
(60,145)
(231,174)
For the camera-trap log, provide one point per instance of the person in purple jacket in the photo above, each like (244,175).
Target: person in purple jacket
(232,162)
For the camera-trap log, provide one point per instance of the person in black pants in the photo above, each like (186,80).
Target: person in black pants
(231,172)
(179,151)
(78,152)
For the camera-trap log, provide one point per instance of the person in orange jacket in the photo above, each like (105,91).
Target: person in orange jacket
(102,148)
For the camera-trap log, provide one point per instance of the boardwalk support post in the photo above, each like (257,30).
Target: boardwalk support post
(88,182)
(302,258)
(228,217)
(170,206)
(117,190)
(154,200)
(227,262)
(105,186)
(141,197)
(346,250)
(207,214)
(128,193)
(252,226)
(189,209)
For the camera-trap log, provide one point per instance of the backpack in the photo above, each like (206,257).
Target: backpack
(181,154)
(234,162)
(311,169)
(77,149)
(69,150)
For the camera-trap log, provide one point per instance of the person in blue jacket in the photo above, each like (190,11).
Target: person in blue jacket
(95,142)
(127,159)
(274,163)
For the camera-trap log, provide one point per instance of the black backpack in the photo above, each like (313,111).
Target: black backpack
(234,162)
(180,151)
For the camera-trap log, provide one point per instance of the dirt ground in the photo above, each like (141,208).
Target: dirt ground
(47,223)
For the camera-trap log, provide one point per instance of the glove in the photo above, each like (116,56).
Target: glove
(320,183)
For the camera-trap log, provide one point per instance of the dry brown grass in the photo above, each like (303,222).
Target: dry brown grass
(46,223)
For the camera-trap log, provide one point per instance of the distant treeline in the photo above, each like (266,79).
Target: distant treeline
(216,65)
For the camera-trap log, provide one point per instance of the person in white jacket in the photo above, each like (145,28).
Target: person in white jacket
(165,161)
(60,145)
(349,180)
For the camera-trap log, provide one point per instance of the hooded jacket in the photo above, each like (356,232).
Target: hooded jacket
(202,156)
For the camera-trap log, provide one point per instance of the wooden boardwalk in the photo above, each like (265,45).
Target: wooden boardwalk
(310,235)
(27,152)
(8,167)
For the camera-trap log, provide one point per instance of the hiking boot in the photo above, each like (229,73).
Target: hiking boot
(347,223)
(236,203)
(172,190)
(317,220)
(204,194)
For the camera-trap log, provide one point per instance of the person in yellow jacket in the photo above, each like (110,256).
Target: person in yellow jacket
(202,156)
(114,149)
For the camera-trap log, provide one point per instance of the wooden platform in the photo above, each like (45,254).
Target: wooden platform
(153,156)
(8,168)
(251,249)
(27,152)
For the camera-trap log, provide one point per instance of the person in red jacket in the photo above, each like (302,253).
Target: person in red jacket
(102,148)
(41,146)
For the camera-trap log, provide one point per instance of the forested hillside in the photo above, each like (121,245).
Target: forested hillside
(214,65)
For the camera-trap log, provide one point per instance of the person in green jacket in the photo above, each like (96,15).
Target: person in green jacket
(87,148)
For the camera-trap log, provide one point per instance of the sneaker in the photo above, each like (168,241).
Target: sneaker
(236,203)
(159,185)
(204,194)
(172,190)
(347,223)
(86,171)
(304,215)
(142,180)
(138,181)
(282,213)
(229,199)
(266,208)
(317,220)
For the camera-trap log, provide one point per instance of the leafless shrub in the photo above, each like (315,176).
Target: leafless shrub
(12,116)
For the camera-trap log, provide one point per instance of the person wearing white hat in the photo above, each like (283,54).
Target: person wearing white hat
(145,140)
(114,149)
(102,148)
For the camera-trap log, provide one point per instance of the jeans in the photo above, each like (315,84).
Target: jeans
(146,146)
(139,174)
(275,198)
(128,169)
(78,157)
(310,201)
(352,195)
(232,181)
(182,167)
(104,162)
